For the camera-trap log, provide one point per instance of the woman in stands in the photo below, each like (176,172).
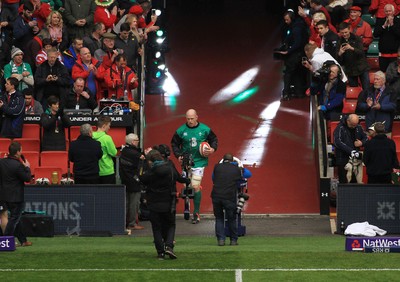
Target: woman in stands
(54,122)
(57,30)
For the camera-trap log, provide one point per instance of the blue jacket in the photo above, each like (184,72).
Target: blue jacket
(384,114)
(13,112)
(333,101)
(69,58)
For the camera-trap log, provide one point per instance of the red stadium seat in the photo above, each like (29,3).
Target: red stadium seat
(4,144)
(353,92)
(396,139)
(396,128)
(118,135)
(46,172)
(29,144)
(33,158)
(74,131)
(373,63)
(31,131)
(371,77)
(331,128)
(349,106)
(55,158)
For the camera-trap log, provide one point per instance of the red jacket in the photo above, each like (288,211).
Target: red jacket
(363,30)
(377,7)
(104,16)
(116,85)
(78,70)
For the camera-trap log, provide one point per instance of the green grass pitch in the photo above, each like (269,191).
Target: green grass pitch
(199,259)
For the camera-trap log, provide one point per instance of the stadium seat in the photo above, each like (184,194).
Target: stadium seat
(371,77)
(46,172)
(396,128)
(369,19)
(31,131)
(373,63)
(118,135)
(29,144)
(74,131)
(4,144)
(349,106)
(33,158)
(396,139)
(373,50)
(55,158)
(332,127)
(353,92)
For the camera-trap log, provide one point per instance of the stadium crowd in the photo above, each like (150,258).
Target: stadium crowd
(347,53)
(48,45)
(58,55)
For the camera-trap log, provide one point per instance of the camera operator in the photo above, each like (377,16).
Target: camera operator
(291,51)
(160,180)
(330,89)
(226,176)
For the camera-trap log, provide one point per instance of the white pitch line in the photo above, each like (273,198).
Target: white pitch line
(199,270)
(238,275)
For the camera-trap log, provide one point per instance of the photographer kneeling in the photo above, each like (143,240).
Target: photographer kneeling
(226,176)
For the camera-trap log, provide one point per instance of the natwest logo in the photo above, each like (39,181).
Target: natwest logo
(7,243)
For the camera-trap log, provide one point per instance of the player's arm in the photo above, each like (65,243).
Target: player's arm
(212,140)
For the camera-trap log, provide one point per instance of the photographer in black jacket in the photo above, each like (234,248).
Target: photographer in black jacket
(292,50)
(224,197)
(160,180)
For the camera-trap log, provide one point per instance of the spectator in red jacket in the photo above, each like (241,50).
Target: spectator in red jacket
(104,14)
(120,79)
(377,7)
(40,13)
(86,67)
(360,27)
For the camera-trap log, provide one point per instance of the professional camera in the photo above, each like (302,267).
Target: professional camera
(322,75)
(187,161)
(243,197)
(187,192)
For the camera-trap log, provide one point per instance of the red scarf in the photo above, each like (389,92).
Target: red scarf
(355,23)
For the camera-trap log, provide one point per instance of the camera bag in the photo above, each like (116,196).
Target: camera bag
(37,225)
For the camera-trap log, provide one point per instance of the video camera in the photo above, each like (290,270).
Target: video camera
(322,74)
(187,192)
(187,161)
(187,164)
